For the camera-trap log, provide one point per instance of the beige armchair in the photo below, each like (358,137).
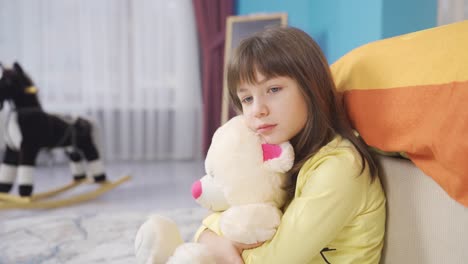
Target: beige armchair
(424,224)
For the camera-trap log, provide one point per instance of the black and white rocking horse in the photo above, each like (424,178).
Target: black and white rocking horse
(30,129)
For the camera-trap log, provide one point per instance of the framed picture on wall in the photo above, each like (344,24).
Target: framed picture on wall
(238,28)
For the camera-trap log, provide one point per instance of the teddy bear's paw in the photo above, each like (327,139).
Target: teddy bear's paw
(250,223)
(192,253)
(156,240)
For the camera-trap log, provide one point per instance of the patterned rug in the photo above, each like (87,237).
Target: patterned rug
(90,238)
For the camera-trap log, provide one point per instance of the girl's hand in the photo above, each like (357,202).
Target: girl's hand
(224,250)
(241,247)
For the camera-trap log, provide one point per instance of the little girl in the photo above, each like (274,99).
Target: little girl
(280,80)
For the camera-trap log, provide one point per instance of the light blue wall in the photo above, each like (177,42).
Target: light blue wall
(401,17)
(342,25)
(354,23)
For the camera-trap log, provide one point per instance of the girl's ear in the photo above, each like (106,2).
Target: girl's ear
(278,158)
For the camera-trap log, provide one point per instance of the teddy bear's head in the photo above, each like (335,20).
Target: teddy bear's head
(241,169)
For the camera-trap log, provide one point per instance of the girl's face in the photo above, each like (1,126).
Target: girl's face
(274,108)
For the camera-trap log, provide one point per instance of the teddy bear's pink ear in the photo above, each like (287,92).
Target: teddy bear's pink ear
(278,158)
(271,151)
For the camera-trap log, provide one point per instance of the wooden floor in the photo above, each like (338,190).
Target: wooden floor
(154,186)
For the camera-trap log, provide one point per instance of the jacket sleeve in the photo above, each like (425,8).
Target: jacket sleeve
(331,195)
(211,222)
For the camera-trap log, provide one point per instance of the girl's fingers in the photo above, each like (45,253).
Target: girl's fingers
(241,246)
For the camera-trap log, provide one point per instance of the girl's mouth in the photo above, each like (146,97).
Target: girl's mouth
(265,128)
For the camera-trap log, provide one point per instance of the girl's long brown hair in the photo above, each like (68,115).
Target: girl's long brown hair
(292,53)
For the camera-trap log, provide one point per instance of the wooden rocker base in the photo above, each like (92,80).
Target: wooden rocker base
(37,201)
(4,197)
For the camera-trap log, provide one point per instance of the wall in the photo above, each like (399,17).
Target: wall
(407,16)
(341,25)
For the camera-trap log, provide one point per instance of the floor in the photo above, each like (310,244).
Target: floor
(107,224)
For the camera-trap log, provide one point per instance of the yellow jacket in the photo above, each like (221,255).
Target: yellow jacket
(337,214)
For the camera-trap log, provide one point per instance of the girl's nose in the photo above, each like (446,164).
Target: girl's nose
(260,109)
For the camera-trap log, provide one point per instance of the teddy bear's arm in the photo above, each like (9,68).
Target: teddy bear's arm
(251,223)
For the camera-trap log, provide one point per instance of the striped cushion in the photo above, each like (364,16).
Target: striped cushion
(410,94)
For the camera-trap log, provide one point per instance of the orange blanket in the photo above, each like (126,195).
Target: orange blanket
(410,94)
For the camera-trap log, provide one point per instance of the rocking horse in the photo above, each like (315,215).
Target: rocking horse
(28,130)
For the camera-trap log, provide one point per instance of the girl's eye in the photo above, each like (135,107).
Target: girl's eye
(247,100)
(275,89)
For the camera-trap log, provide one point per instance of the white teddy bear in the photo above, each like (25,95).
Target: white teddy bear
(245,181)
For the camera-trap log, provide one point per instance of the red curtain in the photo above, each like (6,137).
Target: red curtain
(211,25)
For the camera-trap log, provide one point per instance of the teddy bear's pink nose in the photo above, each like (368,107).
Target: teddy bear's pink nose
(196,189)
